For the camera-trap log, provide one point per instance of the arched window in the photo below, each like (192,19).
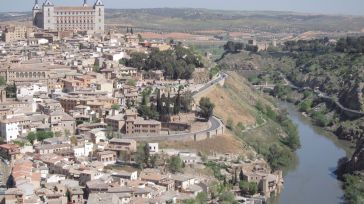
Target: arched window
(99,11)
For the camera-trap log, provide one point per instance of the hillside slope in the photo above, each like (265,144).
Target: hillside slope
(236,104)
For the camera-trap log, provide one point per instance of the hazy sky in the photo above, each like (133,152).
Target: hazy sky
(349,7)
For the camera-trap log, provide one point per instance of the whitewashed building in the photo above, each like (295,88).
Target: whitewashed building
(30,89)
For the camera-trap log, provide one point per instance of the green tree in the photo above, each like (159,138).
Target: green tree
(128,104)
(175,164)
(11,91)
(241,175)
(227,198)
(2,81)
(42,135)
(153,161)
(142,156)
(10,183)
(177,103)
(279,157)
(137,60)
(96,68)
(354,188)
(201,198)
(109,132)
(140,38)
(19,143)
(178,63)
(146,155)
(305,106)
(31,137)
(186,101)
(115,107)
(248,188)
(168,104)
(131,82)
(230,123)
(240,126)
(321,119)
(206,108)
(271,113)
(159,102)
(260,107)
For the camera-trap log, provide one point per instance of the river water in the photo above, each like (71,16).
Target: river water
(312,179)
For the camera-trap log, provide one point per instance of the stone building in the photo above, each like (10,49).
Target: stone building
(14,33)
(70,18)
(136,126)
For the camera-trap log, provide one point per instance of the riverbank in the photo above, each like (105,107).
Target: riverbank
(313,179)
(321,116)
(348,146)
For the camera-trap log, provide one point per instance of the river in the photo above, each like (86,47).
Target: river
(312,179)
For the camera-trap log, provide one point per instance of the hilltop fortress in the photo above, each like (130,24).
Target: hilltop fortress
(70,18)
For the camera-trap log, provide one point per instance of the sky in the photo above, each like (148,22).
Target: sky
(346,7)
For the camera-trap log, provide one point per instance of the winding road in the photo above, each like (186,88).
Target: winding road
(215,123)
(221,76)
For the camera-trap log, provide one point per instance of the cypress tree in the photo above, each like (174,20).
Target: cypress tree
(168,104)
(159,102)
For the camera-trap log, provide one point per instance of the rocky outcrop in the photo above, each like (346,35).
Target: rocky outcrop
(352,132)
(356,163)
(353,98)
(240,61)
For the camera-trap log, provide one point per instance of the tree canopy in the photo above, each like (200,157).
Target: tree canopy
(175,164)
(177,63)
(39,136)
(206,108)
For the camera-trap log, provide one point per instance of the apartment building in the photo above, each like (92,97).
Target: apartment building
(14,33)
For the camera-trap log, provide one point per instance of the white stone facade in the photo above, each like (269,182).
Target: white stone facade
(29,91)
(66,18)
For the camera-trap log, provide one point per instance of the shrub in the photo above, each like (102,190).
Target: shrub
(320,119)
(248,188)
(305,106)
(230,124)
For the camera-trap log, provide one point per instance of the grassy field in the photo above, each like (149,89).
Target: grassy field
(236,100)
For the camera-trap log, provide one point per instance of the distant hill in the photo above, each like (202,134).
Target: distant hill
(189,20)
(168,19)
